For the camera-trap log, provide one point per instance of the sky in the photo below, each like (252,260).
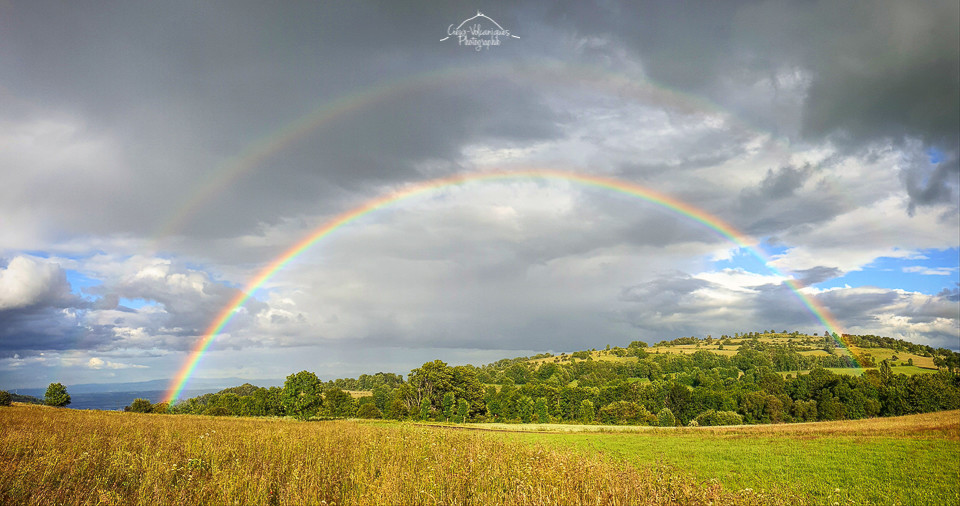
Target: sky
(157,156)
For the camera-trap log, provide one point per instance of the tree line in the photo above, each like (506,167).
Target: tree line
(758,384)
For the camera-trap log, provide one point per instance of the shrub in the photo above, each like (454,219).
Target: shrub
(217,411)
(712,417)
(5,398)
(139,406)
(623,412)
(665,418)
(369,410)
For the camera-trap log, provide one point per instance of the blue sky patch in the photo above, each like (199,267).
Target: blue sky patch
(929,275)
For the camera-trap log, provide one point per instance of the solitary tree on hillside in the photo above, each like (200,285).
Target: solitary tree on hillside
(5,398)
(56,395)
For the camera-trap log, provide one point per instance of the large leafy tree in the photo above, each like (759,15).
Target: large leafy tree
(56,395)
(431,381)
(302,395)
(467,386)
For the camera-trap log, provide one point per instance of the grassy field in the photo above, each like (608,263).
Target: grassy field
(62,456)
(909,370)
(903,460)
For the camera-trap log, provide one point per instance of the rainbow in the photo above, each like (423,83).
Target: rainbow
(607,183)
(541,73)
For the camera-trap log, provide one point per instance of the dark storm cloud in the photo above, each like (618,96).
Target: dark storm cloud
(678,304)
(31,331)
(875,70)
(39,312)
(667,291)
(185,87)
(774,205)
(112,116)
(932,183)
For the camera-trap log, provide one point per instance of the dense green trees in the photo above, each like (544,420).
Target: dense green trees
(755,385)
(339,404)
(5,398)
(302,395)
(56,395)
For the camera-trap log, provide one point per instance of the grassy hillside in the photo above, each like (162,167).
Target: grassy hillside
(902,361)
(59,456)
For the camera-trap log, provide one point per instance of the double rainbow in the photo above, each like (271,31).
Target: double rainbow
(256,154)
(606,183)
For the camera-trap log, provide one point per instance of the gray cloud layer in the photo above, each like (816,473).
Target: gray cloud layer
(827,129)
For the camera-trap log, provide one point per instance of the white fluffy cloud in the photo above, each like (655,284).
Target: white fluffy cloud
(27,281)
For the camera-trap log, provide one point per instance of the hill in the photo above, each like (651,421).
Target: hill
(747,378)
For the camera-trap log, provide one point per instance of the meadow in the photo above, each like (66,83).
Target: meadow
(60,456)
(912,459)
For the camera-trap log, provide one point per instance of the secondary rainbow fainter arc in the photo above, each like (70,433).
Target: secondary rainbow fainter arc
(256,153)
(682,208)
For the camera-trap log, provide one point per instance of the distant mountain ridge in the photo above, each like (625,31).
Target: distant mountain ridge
(150,385)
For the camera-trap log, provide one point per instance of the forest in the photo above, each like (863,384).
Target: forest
(770,378)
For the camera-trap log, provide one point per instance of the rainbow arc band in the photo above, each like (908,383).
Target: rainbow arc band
(679,207)
(546,73)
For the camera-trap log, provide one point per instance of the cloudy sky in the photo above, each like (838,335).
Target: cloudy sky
(156,156)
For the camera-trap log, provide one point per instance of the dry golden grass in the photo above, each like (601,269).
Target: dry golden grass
(60,456)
